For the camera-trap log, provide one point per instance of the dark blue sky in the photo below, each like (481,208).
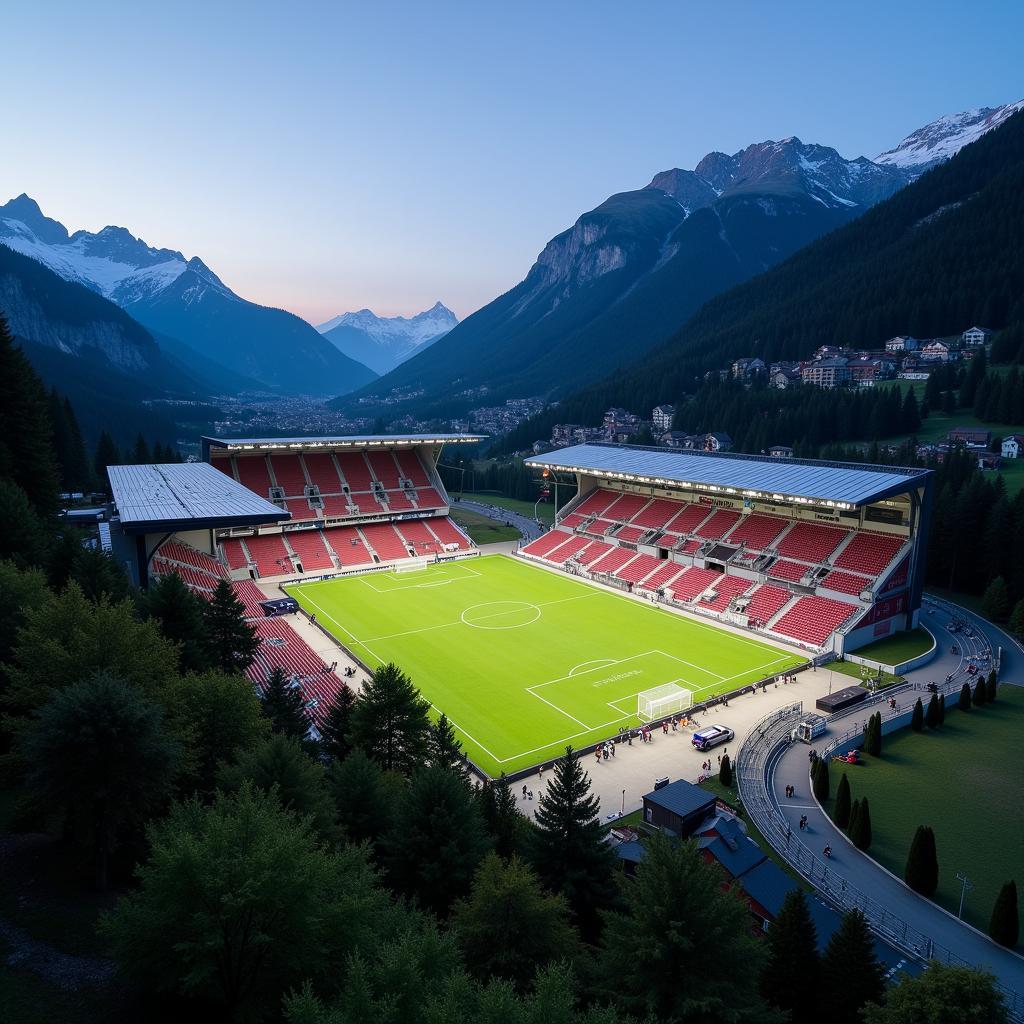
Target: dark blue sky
(329,157)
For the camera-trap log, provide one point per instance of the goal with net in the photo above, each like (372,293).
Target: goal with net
(667,699)
(412,565)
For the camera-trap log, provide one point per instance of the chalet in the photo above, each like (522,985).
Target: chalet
(901,343)
(678,808)
(969,437)
(747,367)
(976,336)
(783,377)
(676,439)
(715,441)
(780,451)
(936,351)
(1012,446)
(989,461)
(662,416)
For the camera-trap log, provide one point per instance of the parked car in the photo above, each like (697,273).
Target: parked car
(712,736)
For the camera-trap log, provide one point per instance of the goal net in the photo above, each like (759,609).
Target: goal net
(412,565)
(667,699)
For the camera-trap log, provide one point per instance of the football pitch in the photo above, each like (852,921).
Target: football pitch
(524,661)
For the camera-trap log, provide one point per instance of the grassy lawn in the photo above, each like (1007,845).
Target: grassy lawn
(848,668)
(481,529)
(545,510)
(963,782)
(523,661)
(896,649)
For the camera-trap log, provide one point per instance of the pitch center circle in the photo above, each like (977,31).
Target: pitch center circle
(501,615)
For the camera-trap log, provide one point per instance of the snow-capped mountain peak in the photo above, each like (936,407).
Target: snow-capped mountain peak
(946,136)
(384,342)
(112,261)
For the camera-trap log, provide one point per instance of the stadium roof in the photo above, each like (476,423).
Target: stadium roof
(839,484)
(343,441)
(185,495)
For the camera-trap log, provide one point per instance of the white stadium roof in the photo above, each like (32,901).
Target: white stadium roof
(842,484)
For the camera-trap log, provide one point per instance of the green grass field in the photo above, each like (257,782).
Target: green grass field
(524,661)
(961,781)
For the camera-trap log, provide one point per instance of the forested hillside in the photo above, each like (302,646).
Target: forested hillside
(940,255)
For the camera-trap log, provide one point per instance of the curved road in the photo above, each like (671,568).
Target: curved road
(848,866)
(529,528)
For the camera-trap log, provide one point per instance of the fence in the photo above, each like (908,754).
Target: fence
(762,747)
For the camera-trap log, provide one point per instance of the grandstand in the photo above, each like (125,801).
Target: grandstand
(827,556)
(261,511)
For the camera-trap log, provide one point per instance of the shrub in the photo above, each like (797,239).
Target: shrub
(979,692)
(725,772)
(932,715)
(851,824)
(860,825)
(922,870)
(841,811)
(964,704)
(991,687)
(820,782)
(917,718)
(1004,926)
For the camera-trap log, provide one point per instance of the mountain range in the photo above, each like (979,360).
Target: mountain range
(381,343)
(627,274)
(184,302)
(938,256)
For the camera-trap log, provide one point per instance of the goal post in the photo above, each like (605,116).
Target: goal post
(667,699)
(411,565)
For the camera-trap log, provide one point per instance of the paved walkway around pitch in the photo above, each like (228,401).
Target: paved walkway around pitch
(621,782)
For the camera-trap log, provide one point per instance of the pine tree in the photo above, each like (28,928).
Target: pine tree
(942,709)
(569,852)
(390,722)
(978,698)
(995,603)
(725,772)
(140,453)
(853,825)
(931,716)
(231,641)
(508,827)
(841,810)
(863,840)
(26,434)
(107,455)
(851,974)
(821,782)
(78,465)
(917,717)
(1016,624)
(1004,925)
(790,976)
(337,724)
(922,869)
(444,749)
(283,706)
(179,614)
(965,697)
(991,687)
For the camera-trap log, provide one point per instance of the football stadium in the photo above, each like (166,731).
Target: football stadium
(672,580)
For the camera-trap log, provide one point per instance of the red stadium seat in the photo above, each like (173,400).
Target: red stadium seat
(869,553)
(814,619)
(311,550)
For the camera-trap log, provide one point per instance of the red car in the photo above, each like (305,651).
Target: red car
(850,757)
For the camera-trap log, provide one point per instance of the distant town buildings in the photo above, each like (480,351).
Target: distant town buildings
(780,451)
(974,336)
(662,417)
(827,373)
(1012,446)
(969,437)
(901,343)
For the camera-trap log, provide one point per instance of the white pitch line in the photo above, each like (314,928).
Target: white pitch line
(561,712)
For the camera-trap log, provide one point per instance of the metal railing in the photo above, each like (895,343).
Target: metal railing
(760,749)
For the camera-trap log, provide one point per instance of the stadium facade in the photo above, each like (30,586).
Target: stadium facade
(828,556)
